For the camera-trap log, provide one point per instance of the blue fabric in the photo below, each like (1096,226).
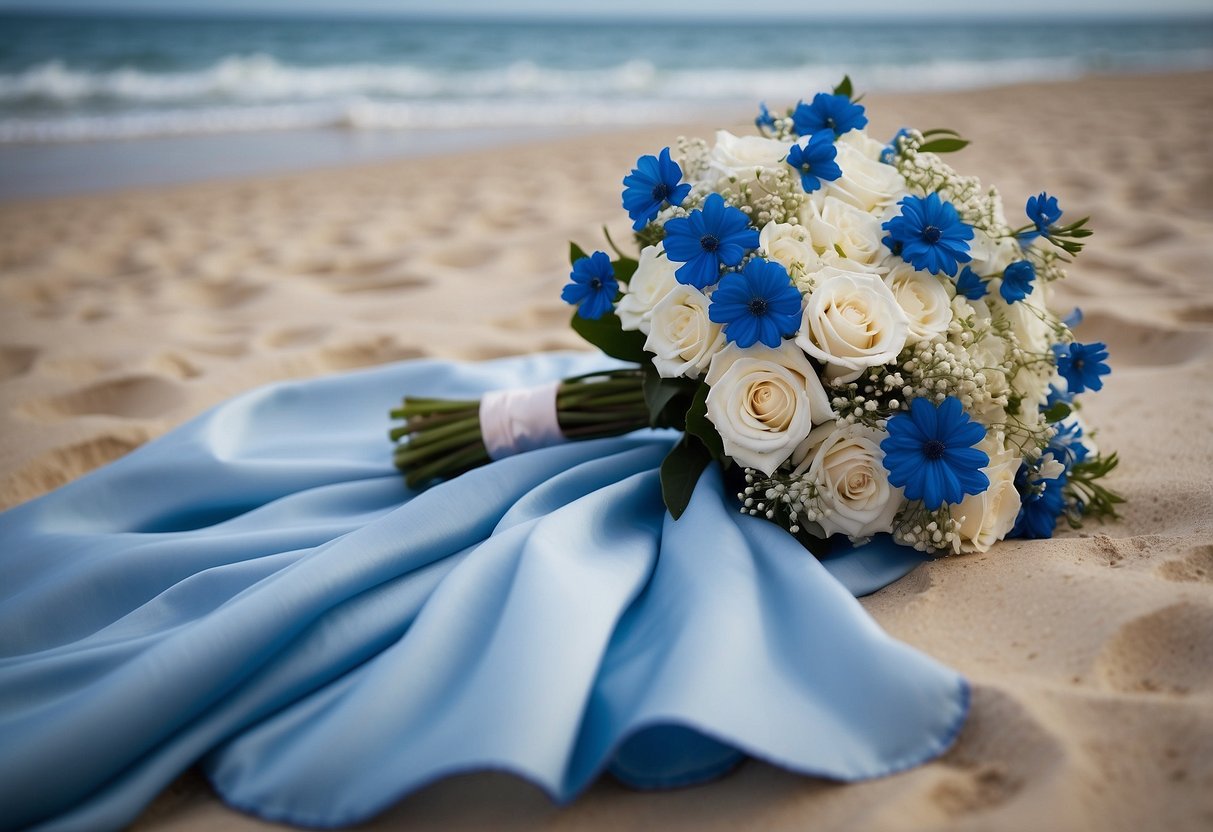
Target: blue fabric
(259,590)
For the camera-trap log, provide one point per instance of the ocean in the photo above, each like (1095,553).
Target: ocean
(95,81)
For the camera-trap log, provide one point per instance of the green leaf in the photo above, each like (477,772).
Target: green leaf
(939,131)
(575,253)
(667,398)
(1057,412)
(844,87)
(624,267)
(949,145)
(700,426)
(680,470)
(607,333)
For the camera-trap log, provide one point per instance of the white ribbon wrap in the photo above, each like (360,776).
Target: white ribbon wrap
(523,419)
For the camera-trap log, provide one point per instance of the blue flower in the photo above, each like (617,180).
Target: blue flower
(832,114)
(1057,395)
(1067,446)
(650,185)
(971,285)
(1041,504)
(891,149)
(1043,211)
(594,286)
(929,234)
(765,121)
(1082,365)
(757,304)
(705,239)
(929,453)
(815,161)
(1017,281)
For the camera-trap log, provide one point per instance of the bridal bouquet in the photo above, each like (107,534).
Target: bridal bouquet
(853,330)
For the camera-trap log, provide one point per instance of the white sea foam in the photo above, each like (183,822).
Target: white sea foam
(52,102)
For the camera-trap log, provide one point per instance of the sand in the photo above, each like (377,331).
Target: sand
(1091,654)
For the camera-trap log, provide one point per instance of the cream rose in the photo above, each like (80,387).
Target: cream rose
(853,485)
(866,182)
(989,516)
(924,298)
(852,321)
(745,156)
(653,280)
(764,402)
(990,255)
(681,336)
(839,229)
(789,246)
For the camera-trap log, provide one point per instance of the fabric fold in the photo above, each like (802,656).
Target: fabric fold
(260,591)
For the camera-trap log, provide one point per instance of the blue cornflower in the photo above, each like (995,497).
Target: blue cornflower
(1082,365)
(1044,212)
(704,239)
(1057,395)
(929,453)
(971,285)
(891,149)
(1067,446)
(832,114)
(1040,506)
(594,286)
(1017,281)
(765,121)
(929,234)
(651,184)
(814,161)
(757,304)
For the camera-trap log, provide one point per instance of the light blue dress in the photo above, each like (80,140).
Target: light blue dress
(259,591)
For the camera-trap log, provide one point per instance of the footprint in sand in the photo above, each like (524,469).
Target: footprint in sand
(16,361)
(378,350)
(131,397)
(1169,651)
(1195,567)
(295,336)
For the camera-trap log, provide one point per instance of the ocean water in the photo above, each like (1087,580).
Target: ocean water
(100,82)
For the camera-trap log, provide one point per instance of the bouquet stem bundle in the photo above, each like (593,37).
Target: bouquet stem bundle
(442,438)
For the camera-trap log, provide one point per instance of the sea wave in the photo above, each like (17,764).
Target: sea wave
(52,102)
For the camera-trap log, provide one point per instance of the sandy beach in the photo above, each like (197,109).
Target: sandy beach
(123,315)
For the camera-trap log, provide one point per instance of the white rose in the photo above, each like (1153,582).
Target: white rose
(840,229)
(852,321)
(924,298)
(764,402)
(991,254)
(745,156)
(789,246)
(989,516)
(866,182)
(853,485)
(653,280)
(681,336)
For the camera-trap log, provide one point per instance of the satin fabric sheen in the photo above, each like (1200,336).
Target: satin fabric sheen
(259,590)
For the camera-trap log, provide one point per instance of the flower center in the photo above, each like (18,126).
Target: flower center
(931,234)
(661,191)
(709,242)
(758,306)
(831,124)
(1077,363)
(595,283)
(933,449)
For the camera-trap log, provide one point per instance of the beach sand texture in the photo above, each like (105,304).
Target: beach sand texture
(1091,654)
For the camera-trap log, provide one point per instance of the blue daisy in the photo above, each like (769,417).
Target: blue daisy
(653,184)
(830,114)
(930,453)
(814,161)
(1040,506)
(1044,213)
(702,241)
(759,304)
(1082,365)
(929,234)
(1017,281)
(593,287)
